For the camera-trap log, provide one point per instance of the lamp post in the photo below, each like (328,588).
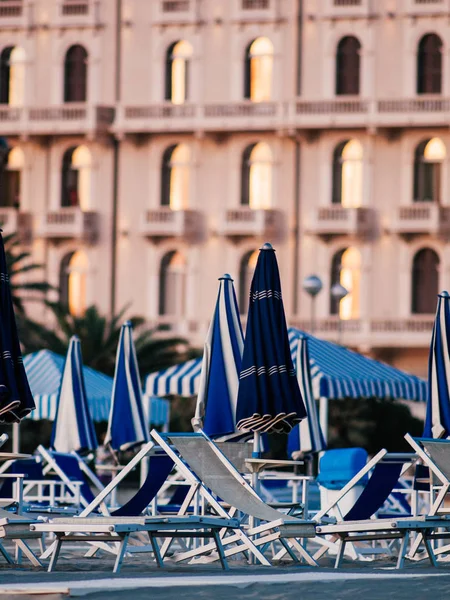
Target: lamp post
(338,292)
(312,286)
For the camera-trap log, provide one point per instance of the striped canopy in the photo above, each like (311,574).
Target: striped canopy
(437,422)
(44,370)
(336,373)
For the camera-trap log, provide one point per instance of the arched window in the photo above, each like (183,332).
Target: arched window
(76,177)
(178,59)
(72,282)
(175,177)
(258,70)
(10,178)
(348,66)
(246,270)
(428,159)
(75,74)
(12,76)
(348,174)
(256,178)
(429,65)
(425,281)
(172,284)
(346,270)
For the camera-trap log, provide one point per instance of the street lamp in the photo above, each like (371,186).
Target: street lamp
(338,292)
(312,286)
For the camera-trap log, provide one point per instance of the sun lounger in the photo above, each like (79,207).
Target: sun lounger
(17,529)
(208,469)
(121,524)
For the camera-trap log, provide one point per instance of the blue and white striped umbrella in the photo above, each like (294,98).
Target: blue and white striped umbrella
(73,428)
(16,400)
(307,436)
(127,425)
(269,397)
(222,358)
(437,422)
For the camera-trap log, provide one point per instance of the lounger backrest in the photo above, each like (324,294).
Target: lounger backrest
(31,468)
(236,452)
(159,469)
(218,474)
(70,466)
(382,482)
(439,452)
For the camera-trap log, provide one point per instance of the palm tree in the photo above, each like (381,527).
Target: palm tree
(99,336)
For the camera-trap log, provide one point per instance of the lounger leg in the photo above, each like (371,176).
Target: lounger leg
(54,558)
(340,553)
(23,546)
(156,552)
(6,555)
(92,552)
(286,549)
(223,560)
(121,553)
(429,549)
(402,551)
(42,544)
(47,553)
(303,553)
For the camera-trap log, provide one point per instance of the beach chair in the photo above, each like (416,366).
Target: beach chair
(74,472)
(16,528)
(358,526)
(214,477)
(121,524)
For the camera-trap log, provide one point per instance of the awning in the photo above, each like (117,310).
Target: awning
(336,371)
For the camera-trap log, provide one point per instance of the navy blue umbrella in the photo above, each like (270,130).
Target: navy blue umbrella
(16,399)
(437,422)
(269,397)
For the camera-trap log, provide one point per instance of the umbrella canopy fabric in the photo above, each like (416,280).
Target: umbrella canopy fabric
(73,428)
(16,399)
(217,396)
(307,436)
(437,421)
(336,373)
(269,397)
(44,370)
(127,425)
(339,373)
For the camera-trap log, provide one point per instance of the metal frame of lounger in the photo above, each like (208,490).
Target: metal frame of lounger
(197,464)
(17,529)
(104,529)
(435,454)
(119,529)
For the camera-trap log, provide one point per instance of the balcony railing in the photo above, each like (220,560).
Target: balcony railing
(11,8)
(174,6)
(246,222)
(336,220)
(167,223)
(422,217)
(347,2)
(255,4)
(70,222)
(75,7)
(13,220)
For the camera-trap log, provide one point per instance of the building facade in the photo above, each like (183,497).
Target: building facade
(156,144)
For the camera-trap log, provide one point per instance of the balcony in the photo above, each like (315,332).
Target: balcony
(425,8)
(335,220)
(421,111)
(243,116)
(16,14)
(15,221)
(422,218)
(70,223)
(414,331)
(162,223)
(339,112)
(246,222)
(175,12)
(78,13)
(340,9)
(158,117)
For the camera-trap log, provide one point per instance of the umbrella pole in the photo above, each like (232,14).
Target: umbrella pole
(256,445)
(323,416)
(16,438)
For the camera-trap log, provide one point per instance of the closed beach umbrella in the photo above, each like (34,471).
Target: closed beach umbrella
(437,422)
(217,397)
(127,426)
(269,397)
(307,436)
(73,427)
(16,399)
